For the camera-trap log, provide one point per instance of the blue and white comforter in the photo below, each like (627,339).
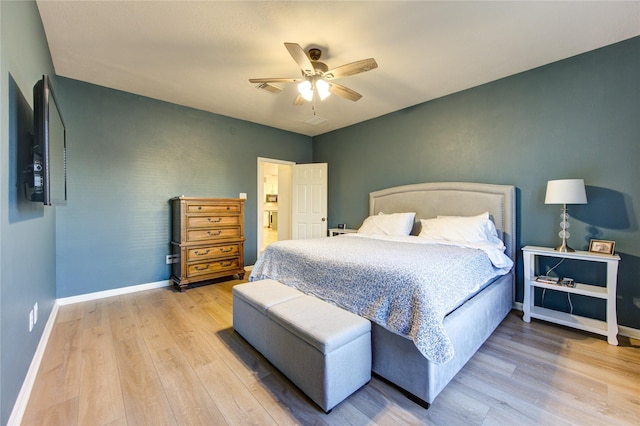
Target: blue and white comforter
(405,284)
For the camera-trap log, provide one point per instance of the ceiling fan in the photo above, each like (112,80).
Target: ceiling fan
(317,78)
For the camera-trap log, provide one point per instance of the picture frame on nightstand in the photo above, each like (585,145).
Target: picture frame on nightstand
(602,246)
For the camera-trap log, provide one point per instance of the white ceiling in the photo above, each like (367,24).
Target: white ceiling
(201,53)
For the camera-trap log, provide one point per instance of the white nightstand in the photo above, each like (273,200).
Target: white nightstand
(607,328)
(337,231)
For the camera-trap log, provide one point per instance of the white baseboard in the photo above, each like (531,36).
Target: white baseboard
(122,290)
(27,385)
(633,333)
(115,292)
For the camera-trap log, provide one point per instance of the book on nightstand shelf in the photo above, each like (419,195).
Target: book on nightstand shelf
(547,279)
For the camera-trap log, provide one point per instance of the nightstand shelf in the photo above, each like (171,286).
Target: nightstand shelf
(569,320)
(583,289)
(607,328)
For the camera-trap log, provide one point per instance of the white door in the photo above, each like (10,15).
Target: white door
(309,201)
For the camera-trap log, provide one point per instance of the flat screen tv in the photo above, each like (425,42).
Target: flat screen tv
(49,166)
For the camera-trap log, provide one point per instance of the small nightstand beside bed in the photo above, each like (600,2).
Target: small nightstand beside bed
(431,298)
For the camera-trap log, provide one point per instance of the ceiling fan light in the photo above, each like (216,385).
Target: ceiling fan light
(305,89)
(323,89)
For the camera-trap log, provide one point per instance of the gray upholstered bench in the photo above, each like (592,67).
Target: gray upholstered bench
(322,349)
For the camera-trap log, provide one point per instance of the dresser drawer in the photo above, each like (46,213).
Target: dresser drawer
(208,252)
(205,268)
(212,208)
(209,221)
(212,234)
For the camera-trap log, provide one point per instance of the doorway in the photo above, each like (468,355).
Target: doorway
(274,201)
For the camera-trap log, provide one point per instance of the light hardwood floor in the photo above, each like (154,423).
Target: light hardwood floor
(163,357)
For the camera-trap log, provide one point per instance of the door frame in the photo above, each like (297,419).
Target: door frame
(261,194)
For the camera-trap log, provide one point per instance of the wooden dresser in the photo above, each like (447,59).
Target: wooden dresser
(208,238)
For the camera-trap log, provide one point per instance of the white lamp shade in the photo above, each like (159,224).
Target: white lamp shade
(566,191)
(306,90)
(323,89)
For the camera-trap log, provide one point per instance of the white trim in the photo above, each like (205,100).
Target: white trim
(27,385)
(114,292)
(633,333)
(260,196)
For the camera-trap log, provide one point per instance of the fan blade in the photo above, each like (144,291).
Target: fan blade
(274,80)
(298,101)
(301,58)
(344,92)
(351,69)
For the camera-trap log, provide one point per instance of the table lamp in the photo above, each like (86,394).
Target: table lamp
(565,191)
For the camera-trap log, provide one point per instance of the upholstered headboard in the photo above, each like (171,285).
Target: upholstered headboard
(428,200)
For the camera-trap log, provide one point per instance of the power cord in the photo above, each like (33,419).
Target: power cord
(544,290)
(556,265)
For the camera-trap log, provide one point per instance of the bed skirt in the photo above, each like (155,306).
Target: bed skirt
(468,327)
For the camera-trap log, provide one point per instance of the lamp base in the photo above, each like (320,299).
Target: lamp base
(564,234)
(564,248)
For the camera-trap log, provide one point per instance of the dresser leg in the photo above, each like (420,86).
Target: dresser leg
(181,287)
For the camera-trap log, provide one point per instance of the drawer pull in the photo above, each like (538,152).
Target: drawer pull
(201,253)
(224,250)
(199,268)
(214,234)
(199,207)
(217,220)
(225,264)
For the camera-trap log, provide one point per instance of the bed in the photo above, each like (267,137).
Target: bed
(405,352)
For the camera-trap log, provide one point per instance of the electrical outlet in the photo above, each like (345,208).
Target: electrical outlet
(172,258)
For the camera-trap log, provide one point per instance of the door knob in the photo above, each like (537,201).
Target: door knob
(323,219)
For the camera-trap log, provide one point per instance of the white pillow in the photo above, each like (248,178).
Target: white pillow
(388,224)
(470,229)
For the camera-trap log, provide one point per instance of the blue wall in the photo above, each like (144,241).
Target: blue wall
(27,230)
(577,118)
(128,155)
